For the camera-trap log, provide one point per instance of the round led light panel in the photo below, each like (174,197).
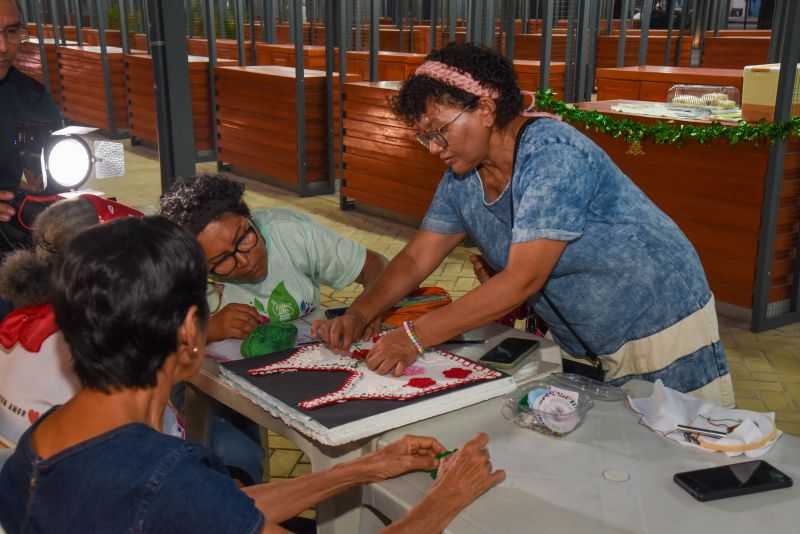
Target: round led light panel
(69,162)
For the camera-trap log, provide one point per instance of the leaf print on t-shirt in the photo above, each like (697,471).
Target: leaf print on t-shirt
(282,306)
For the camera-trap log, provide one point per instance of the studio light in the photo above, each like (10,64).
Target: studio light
(64,158)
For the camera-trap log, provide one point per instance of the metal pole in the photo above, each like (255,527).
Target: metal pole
(76,8)
(509,28)
(238,17)
(373,40)
(123,27)
(571,66)
(526,15)
(58,32)
(778,31)
(211,41)
(682,28)
(101,32)
(329,95)
(594,33)
(698,32)
(42,49)
(761,319)
(300,98)
(344,203)
(547,35)
(252,24)
(647,11)
(668,44)
(489,24)
(268,24)
(434,18)
(173,95)
(623,29)
(453,19)
(222,32)
(581,46)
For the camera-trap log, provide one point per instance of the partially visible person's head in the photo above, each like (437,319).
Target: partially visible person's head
(25,274)
(10,19)
(213,209)
(127,295)
(488,74)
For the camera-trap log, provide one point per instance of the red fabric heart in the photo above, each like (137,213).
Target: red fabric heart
(421,383)
(33,416)
(360,354)
(457,372)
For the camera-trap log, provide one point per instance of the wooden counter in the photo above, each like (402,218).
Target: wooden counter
(714,192)
(383,164)
(283,55)
(651,83)
(257,120)
(391,65)
(142,100)
(656,45)
(528,72)
(83,87)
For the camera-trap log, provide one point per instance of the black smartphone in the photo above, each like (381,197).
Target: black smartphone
(509,352)
(731,480)
(332,313)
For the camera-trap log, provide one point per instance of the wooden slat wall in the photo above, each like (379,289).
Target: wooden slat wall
(384,165)
(283,55)
(734,52)
(82,86)
(142,102)
(652,83)
(607,50)
(256,116)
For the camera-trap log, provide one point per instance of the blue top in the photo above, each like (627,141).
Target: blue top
(627,271)
(131,479)
(21,98)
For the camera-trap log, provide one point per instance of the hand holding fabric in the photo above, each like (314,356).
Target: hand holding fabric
(409,453)
(233,321)
(339,333)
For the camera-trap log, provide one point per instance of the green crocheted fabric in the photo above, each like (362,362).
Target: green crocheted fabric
(269,338)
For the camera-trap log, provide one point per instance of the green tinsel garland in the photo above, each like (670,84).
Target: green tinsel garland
(668,133)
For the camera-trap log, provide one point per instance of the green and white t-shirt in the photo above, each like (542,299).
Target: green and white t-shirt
(302,254)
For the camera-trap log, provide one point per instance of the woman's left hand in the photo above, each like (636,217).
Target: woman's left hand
(409,453)
(393,353)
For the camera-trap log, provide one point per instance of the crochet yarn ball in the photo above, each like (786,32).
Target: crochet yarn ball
(268,338)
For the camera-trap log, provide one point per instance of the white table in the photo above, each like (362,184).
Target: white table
(557,484)
(342,513)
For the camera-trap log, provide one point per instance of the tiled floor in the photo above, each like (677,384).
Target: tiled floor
(765,367)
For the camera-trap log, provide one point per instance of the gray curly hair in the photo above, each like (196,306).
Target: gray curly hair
(25,274)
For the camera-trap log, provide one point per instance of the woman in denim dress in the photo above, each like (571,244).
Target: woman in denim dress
(560,224)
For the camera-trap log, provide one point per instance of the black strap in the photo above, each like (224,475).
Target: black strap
(592,355)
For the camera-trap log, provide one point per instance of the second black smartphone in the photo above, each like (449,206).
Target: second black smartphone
(731,480)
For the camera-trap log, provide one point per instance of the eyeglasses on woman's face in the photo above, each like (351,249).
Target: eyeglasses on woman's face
(227,263)
(437,135)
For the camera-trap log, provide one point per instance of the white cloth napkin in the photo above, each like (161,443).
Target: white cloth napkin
(666,408)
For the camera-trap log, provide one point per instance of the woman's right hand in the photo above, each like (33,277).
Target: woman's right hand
(339,333)
(233,321)
(467,473)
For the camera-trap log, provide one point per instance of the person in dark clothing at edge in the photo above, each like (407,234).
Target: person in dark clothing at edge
(21,98)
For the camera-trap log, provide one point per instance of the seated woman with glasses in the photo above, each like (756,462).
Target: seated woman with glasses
(268,264)
(129,298)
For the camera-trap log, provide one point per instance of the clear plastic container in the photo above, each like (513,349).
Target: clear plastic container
(712,97)
(556,405)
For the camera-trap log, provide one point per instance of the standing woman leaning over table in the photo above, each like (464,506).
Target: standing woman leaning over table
(561,225)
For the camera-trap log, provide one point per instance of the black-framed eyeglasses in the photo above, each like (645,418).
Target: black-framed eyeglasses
(15,35)
(227,263)
(437,135)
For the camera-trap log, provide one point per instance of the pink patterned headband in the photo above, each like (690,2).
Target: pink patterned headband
(453,76)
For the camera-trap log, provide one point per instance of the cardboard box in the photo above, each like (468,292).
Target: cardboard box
(759,90)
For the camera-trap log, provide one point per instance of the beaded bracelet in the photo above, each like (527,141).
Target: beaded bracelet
(407,325)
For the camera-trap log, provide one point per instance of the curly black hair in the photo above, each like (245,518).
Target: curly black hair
(486,66)
(195,202)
